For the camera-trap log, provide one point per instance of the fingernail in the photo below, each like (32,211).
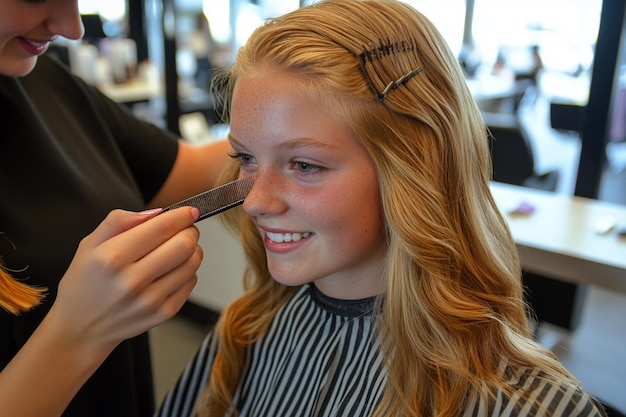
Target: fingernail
(195,213)
(151,211)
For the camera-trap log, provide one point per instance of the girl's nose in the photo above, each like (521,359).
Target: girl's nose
(266,196)
(65,21)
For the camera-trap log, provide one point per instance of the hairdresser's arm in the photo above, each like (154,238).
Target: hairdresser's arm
(195,170)
(132,273)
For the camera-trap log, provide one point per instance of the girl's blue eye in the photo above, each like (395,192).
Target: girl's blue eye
(243,158)
(305,167)
(247,160)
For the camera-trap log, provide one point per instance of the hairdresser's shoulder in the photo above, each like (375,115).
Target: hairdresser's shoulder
(49,75)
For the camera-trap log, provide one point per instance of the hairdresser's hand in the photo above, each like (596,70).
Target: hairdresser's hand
(133,272)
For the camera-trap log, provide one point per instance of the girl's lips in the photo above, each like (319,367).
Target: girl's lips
(286,237)
(283,242)
(34,47)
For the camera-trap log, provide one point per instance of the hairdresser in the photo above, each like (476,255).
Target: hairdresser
(80,282)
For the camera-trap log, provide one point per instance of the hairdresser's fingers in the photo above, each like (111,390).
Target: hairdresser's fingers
(167,293)
(135,243)
(157,294)
(116,222)
(165,258)
(175,300)
(157,302)
(107,302)
(167,307)
(110,263)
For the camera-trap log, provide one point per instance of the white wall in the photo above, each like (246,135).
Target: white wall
(220,277)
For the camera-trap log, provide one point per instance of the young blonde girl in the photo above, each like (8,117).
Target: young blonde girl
(450,325)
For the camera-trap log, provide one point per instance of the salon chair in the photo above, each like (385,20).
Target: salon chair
(512,155)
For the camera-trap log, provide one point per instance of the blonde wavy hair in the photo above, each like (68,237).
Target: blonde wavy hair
(453,305)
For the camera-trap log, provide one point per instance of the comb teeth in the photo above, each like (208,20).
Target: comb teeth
(218,199)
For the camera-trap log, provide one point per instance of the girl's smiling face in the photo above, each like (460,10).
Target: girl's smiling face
(28,26)
(315,200)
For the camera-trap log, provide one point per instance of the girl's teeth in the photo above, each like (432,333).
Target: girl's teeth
(35,43)
(286,237)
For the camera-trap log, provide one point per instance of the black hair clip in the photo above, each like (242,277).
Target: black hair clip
(373,64)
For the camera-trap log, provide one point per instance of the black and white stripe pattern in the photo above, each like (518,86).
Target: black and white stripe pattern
(544,399)
(320,357)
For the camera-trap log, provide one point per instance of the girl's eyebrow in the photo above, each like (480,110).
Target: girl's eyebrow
(299,143)
(295,143)
(231,139)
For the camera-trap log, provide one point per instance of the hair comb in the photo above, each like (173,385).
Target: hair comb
(218,199)
(381,62)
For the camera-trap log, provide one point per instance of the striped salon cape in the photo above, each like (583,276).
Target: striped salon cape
(320,357)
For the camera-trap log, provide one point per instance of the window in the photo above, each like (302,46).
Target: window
(112,12)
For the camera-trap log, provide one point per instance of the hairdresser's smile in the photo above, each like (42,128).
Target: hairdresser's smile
(38,23)
(35,47)
(315,201)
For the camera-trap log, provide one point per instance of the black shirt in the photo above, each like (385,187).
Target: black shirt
(68,156)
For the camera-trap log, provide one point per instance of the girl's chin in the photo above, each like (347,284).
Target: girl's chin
(289,279)
(289,282)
